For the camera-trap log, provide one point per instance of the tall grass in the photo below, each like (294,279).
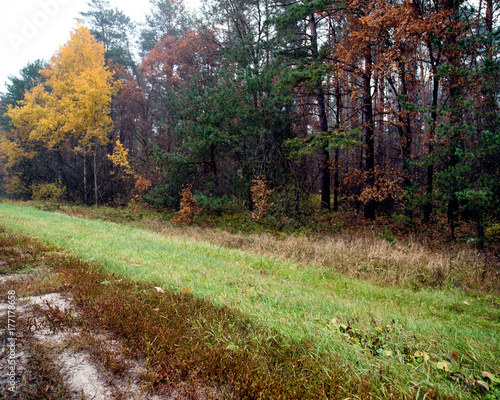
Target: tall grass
(381,330)
(365,256)
(357,254)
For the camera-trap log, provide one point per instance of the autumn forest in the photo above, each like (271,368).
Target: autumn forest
(378,107)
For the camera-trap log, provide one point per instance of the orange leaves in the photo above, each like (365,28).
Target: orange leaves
(260,194)
(387,185)
(188,210)
(142,185)
(394,29)
(174,60)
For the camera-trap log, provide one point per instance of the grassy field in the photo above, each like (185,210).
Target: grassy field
(380,339)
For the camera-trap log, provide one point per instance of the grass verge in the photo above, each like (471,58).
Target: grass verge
(368,251)
(187,343)
(367,340)
(37,372)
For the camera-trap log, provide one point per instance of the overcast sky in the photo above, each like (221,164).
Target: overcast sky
(34,29)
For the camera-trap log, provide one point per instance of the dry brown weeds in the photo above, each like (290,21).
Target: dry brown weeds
(364,256)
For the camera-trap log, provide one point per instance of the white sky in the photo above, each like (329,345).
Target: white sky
(34,29)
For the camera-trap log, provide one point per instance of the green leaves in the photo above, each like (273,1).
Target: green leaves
(114,29)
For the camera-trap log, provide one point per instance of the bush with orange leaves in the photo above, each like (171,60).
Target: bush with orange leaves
(141,186)
(188,210)
(388,186)
(260,195)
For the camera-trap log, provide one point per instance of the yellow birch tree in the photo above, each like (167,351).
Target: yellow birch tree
(72,107)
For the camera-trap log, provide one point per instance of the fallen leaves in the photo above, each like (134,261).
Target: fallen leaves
(421,355)
(483,386)
(443,365)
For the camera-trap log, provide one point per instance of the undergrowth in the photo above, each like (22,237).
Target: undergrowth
(184,338)
(38,373)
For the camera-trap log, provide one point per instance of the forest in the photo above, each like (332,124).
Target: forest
(278,107)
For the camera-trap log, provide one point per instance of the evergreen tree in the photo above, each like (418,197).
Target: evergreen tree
(29,77)
(167,17)
(113,28)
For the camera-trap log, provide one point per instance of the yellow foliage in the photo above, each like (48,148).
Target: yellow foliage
(493,233)
(73,104)
(119,158)
(11,153)
(14,186)
(54,192)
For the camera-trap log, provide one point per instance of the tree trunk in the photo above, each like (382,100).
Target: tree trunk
(338,100)
(406,140)
(95,176)
(434,59)
(85,197)
(454,90)
(323,122)
(428,206)
(213,161)
(379,111)
(480,230)
(370,206)
(488,20)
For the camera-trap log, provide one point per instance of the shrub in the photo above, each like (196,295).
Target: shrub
(260,194)
(215,205)
(493,233)
(141,187)
(161,196)
(54,192)
(14,186)
(188,210)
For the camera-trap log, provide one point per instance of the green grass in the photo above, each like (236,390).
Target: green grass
(379,331)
